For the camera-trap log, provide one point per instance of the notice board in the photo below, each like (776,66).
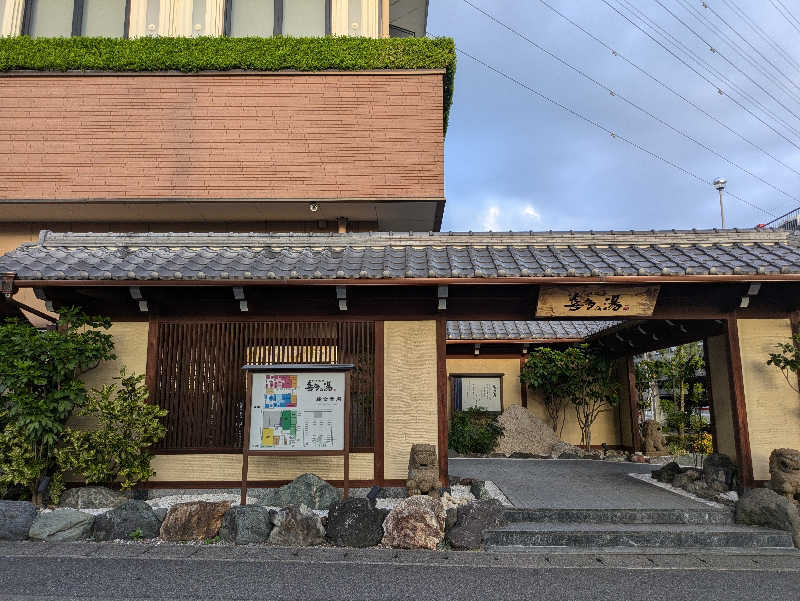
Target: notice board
(297,409)
(300,411)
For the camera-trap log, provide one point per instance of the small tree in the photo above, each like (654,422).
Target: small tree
(40,387)
(788,360)
(679,367)
(117,449)
(593,390)
(546,372)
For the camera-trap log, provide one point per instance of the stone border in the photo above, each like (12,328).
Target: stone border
(648,479)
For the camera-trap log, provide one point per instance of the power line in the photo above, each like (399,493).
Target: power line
(717,88)
(792,21)
(705,65)
(727,60)
(630,102)
(594,123)
(759,31)
(737,48)
(646,73)
(746,41)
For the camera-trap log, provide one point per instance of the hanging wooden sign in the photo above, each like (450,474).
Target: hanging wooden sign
(597,301)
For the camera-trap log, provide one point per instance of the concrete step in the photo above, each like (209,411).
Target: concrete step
(551,534)
(708,515)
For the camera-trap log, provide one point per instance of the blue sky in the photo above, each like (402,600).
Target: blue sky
(513,161)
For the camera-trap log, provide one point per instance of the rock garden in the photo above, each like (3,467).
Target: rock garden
(305,512)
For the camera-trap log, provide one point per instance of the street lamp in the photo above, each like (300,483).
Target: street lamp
(719,184)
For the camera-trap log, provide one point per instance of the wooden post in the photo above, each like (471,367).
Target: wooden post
(441,393)
(377,440)
(346,434)
(523,387)
(633,400)
(246,436)
(384,18)
(741,432)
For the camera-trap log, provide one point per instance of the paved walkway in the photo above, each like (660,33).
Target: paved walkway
(571,484)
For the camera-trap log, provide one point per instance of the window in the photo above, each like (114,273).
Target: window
(304,18)
(103,18)
(484,391)
(49,18)
(251,18)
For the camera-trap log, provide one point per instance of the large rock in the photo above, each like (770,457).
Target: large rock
(308,490)
(355,523)
(523,432)
(92,497)
(416,523)
(246,525)
(765,507)
(667,473)
(197,520)
(784,471)
(120,523)
(16,518)
(472,520)
(720,473)
(296,526)
(479,490)
(62,525)
(692,481)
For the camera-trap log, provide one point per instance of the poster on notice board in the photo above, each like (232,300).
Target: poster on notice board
(301,411)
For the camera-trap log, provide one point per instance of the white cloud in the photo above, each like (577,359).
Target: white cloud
(509,214)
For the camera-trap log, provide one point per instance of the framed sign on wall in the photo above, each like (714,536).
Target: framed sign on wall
(297,409)
(597,301)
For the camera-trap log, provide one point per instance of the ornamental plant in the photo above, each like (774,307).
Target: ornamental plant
(547,372)
(117,448)
(40,387)
(788,360)
(474,431)
(594,388)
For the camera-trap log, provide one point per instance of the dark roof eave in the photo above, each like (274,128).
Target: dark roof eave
(411,281)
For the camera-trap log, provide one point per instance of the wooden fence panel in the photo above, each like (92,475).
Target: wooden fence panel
(199,378)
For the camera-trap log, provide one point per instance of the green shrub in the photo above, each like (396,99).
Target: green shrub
(474,431)
(40,386)
(223,54)
(118,449)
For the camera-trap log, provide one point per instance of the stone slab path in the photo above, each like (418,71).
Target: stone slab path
(571,484)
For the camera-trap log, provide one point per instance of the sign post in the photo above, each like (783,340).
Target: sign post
(297,410)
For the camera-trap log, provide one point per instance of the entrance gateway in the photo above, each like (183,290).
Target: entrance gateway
(190,310)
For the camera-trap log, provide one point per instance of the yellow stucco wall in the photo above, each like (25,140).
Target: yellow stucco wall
(409,398)
(721,395)
(130,346)
(227,467)
(773,408)
(605,429)
(485,365)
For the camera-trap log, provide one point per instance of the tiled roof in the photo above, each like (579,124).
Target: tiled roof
(524,330)
(214,256)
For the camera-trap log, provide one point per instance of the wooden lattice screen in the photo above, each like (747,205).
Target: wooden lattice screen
(199,379)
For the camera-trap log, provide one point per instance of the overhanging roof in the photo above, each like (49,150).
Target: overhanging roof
(375,256)
(524,331)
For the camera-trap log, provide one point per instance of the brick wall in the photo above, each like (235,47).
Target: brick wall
(329,136)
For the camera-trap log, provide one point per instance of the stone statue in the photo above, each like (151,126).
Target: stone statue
(423,471)
(784,470)
(652,438)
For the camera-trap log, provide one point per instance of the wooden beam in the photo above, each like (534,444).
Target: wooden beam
(741,431)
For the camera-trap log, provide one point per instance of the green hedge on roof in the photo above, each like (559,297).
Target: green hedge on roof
(190,55)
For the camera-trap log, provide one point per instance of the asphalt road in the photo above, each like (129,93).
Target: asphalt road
(183,572)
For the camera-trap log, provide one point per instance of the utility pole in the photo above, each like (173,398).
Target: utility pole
(719,184)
